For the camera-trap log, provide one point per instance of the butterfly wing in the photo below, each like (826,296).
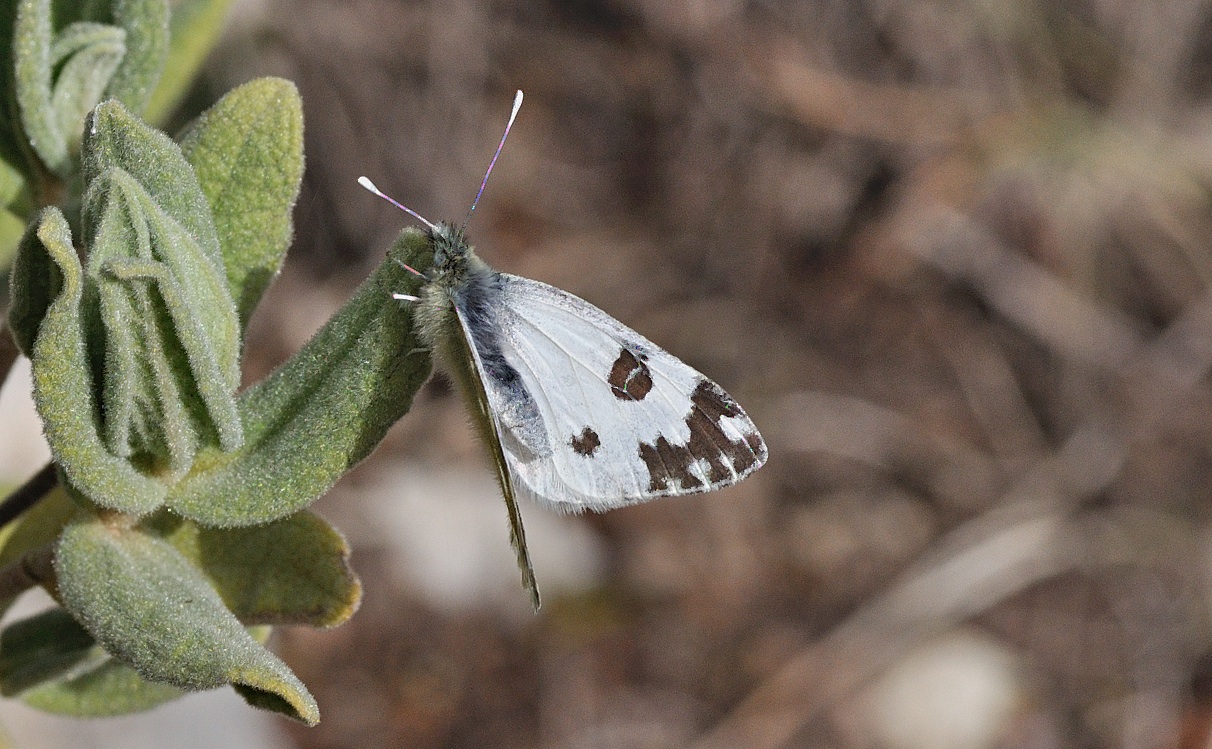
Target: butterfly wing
(606,417)
(489,406)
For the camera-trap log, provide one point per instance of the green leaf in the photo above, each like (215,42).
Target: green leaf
(32,80)
(146,25)
(86,54)
(158,614)
(292,571)
(63,384)
(163,391)
(98,687)
(194,28)
(321,412)
(247,151)
(170,329)
(116,138)
(53,664)
(33,285)
(40,648)
(58,78)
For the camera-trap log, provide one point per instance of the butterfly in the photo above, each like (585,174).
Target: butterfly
(579,411)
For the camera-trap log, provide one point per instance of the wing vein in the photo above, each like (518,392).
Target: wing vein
(585,400)
(641,486)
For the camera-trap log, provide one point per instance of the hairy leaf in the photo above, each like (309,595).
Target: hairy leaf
(53,664)
(33,284)
(164,389)
(292,571)
(86,54)
(247,151)
(63,384)
(157,613)
(321,412)
(116,138)
(32,73)
(146,25)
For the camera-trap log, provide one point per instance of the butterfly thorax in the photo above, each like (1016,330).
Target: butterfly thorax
(457,276)
(460,286)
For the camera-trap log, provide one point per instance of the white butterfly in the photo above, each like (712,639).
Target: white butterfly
(579,411)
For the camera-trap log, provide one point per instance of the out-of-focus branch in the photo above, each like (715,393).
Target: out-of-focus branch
(28,495)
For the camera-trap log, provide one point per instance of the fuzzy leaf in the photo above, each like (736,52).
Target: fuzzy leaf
(39,648)
(166,331)
(53,664)
(321,412)
(292,571)
(247,151)
(157,613)
(116,138)
(63,384)
(33,285)
(32,79)
(146,25)
(194,28)
(86,54)
(163,390)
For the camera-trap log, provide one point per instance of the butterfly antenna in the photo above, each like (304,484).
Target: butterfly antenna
(517,104)
(409,268)
(365,182)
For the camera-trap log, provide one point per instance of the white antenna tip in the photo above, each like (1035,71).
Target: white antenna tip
(365,182)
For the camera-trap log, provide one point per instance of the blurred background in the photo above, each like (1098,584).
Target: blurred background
(954,258)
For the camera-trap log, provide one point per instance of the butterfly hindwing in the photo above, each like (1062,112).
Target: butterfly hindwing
(612,418)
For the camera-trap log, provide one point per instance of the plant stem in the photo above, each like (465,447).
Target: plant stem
(28,495)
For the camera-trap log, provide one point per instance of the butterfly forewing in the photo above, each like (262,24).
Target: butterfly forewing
(624,420)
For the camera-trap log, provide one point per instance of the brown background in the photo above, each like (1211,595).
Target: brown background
(953,257)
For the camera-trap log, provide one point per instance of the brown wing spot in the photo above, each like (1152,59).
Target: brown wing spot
(629,378)
(669,465)
(586,442)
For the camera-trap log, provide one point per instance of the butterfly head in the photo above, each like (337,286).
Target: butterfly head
(451,252)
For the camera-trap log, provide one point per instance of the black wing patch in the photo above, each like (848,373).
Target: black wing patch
(629,378)
(669,465)
(586,443)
